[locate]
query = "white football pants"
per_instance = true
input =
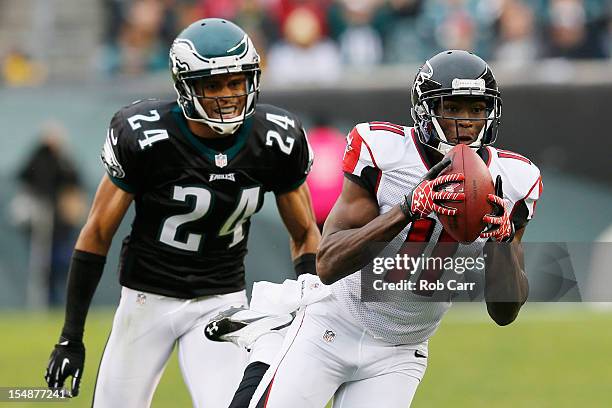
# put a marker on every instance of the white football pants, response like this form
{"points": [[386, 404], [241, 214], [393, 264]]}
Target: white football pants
{"points": [[145, 330], [327, 353]]}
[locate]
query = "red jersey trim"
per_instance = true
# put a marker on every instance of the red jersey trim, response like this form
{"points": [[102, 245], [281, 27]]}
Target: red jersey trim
{"points": [[511, 155], [538, 181], [269, 391], [393, 125], [378, 181], [352, 152], [371, 155], [490, 155], [416, 146], [388, 129]]}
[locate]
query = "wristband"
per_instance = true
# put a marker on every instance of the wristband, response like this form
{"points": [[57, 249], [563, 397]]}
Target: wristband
{"points": [[305, 263], [405, 207]]}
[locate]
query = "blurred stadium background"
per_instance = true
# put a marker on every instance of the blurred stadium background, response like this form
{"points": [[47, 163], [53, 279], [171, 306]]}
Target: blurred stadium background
{"points": [[67, 65]]}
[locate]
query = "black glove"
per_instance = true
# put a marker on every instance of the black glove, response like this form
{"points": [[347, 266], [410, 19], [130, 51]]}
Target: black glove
{"points": [[67, 359]]}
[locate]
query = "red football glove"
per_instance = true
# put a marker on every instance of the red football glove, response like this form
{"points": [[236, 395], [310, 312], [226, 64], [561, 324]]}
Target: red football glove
{"points": [[501, 228], [422, 200]]}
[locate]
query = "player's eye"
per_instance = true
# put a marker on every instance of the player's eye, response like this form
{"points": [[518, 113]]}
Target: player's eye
{"points": [[236, 84], [478, 109], [212, 86], [451, 109]]}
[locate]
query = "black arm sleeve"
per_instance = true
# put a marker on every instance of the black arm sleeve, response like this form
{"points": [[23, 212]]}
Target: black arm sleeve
{"points": [[368, 179], [520, 215], [85, 273]]}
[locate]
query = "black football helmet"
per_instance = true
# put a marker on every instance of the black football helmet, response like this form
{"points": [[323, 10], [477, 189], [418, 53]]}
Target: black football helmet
{"points": [[453, 73]]}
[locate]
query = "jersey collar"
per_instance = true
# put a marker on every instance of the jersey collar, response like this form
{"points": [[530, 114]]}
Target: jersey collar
{"points": [[209, 153]]}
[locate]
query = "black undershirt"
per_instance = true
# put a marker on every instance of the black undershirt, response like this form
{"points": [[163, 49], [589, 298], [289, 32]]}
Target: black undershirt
{"points": [[219, 144]]}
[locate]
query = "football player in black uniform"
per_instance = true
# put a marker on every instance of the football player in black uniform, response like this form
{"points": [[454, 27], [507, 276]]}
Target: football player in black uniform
{"points": [[197, 170]]}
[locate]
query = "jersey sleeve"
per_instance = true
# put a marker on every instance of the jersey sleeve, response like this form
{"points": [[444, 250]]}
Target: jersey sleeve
{"points": [[119, 156], [524, 209], [296, 165], [358, 163]]}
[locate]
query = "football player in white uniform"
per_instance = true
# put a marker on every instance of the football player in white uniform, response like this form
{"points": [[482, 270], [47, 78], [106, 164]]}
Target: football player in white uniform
{"points": [[367, 354]]}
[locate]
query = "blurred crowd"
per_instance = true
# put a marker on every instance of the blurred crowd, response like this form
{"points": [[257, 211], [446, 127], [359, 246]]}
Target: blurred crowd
{"points": [[49, 208], [305, 40], [302, 39]]}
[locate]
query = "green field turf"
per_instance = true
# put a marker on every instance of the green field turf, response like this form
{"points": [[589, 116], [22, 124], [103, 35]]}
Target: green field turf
{"points": [[553, 356]]}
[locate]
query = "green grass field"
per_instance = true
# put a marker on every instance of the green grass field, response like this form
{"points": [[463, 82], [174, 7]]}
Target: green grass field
{"points": [[553, 356]]}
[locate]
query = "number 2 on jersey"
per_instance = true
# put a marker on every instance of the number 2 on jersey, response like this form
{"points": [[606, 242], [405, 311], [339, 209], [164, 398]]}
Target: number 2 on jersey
{"points": [[150, 136], [283, 121], [247, 205]]}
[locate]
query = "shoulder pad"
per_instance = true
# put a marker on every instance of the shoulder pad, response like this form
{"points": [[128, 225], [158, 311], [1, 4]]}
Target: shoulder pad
{"points": [[378, 144], [521, 178], [274, 117], [143, 123]]}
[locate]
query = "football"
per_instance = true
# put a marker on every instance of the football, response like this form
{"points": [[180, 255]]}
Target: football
{"points": [[467, 224]]}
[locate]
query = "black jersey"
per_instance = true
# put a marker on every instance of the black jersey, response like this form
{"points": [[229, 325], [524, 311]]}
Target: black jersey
{"points": [[193, 204]]}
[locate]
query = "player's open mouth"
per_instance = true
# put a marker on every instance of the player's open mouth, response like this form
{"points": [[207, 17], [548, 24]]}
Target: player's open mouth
{"points": [[227, 112]]}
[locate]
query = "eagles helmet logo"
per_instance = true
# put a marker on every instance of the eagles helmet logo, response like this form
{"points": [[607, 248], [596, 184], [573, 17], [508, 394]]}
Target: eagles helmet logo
{"points": [[177, 64]]}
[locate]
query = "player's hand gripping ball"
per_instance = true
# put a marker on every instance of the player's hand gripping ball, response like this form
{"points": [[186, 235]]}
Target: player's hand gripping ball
{"points": [[426, 197], [468, 220], [500, 226]]}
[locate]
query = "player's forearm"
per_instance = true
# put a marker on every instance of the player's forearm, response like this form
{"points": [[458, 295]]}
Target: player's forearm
{"points": [[303, 250], [506, 285], [346, 251], [305, 243], [95, 238]]}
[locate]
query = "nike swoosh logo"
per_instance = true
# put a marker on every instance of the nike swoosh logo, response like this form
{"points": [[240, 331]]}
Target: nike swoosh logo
{"points": [[64, 362], [64, 343], [418, 354]]}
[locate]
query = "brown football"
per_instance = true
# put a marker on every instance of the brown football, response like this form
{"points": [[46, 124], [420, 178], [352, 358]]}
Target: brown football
{"points": [[466, 225]]}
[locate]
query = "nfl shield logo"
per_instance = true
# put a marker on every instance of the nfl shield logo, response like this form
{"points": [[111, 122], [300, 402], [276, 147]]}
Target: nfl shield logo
{"points": [[141, 299], [329, 336], [221, 160]]}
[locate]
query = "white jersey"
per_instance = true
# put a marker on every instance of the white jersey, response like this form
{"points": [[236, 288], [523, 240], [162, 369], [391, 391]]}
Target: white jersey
{"points": [[393, 160]]}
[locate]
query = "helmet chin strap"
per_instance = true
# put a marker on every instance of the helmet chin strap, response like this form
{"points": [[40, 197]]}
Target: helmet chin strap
{"points": [[444, 147]]}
